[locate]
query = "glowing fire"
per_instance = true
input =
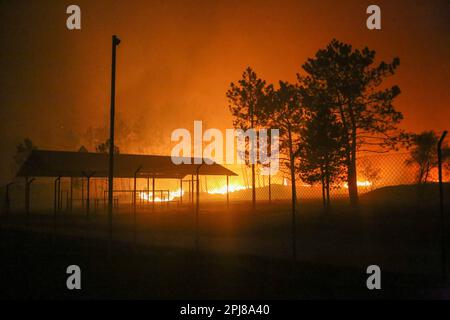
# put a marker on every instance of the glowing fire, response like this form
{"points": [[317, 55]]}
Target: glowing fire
{"points": [[360, 184], [172, 195], [176, 194], [223, 189]]}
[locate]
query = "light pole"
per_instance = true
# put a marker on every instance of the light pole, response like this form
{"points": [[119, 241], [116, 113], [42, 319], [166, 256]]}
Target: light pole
{"points": [[115, 43]]}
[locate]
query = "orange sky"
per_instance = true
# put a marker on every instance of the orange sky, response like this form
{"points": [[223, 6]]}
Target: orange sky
{"points": [[177, 58]]}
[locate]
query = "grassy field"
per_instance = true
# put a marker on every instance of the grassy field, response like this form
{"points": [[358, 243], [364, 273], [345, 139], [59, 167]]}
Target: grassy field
{"points": [[242, 254]]}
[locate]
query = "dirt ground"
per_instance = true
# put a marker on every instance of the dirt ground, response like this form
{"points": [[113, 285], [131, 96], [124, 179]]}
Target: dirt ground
{"points": [[241, 253]]}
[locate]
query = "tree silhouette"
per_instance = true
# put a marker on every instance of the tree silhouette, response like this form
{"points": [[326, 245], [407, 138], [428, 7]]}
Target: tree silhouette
{"points": [[321, 152], [126, 136], [369, 172], [283, 109], [83, 149], [351, 83], [423, 154], [23, 150], [245, 98], [104, 148]]}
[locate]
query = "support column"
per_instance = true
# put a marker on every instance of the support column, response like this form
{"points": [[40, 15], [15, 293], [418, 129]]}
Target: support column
{"points": [[55, 208], [153, 192], [27, 209], [71, 195], [82, 193], [67, 202], [59, 195], [7, 199], [88, 194], [28, 183], [134, 208], [133, 202], [55, 196], [104, 199], [197, 210], [270, 188], [148, 189], [192, 188], [88, 200], [197, 216], [228, 191], [27, 199], [181, 191]]}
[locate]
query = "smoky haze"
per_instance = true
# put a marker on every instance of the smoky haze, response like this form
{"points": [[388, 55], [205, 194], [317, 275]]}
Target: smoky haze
{"points": [[177, 59]]}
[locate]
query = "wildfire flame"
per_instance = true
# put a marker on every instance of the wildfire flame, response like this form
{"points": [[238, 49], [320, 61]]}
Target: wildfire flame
{"points": [[172, 195], [223, 189], [360, 184], [147, 196]]}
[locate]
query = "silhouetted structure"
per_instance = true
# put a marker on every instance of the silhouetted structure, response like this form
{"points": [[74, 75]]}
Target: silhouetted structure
{"points": [[64, 164]]}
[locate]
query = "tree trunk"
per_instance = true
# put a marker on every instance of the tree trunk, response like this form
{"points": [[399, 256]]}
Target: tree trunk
{"points": [[350, 150], [253, 165], [327, 181], [353, 178], [427, 172], [352, 183], [294, 196], [324, 200], [253, 187]]}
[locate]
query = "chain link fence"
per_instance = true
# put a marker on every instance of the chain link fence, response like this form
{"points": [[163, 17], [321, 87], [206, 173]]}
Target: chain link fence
{"points": [[375, 172]]}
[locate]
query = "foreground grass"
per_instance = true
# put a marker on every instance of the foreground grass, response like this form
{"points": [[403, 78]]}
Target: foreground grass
{"points": [[34, 268], [242, 255]]}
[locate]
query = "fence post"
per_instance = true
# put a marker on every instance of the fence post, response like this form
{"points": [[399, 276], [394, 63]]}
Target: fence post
{"points": [[197, 207], [28, 183], [134, 209], [8, 199], [153, 192], [71, 195], [441, 207], [57, 187], [228, 191], [181, 191]]}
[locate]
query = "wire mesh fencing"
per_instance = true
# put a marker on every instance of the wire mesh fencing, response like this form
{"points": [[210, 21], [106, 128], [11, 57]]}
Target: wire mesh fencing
{"points": [[375, 172]]}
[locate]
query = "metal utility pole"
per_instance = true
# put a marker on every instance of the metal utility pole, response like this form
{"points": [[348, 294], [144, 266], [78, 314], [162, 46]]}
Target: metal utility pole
{"points": [[115, 43], [441, 207]]}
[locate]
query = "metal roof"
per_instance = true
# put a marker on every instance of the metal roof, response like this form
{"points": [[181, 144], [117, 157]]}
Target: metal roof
{"points": [[46, 163]]}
